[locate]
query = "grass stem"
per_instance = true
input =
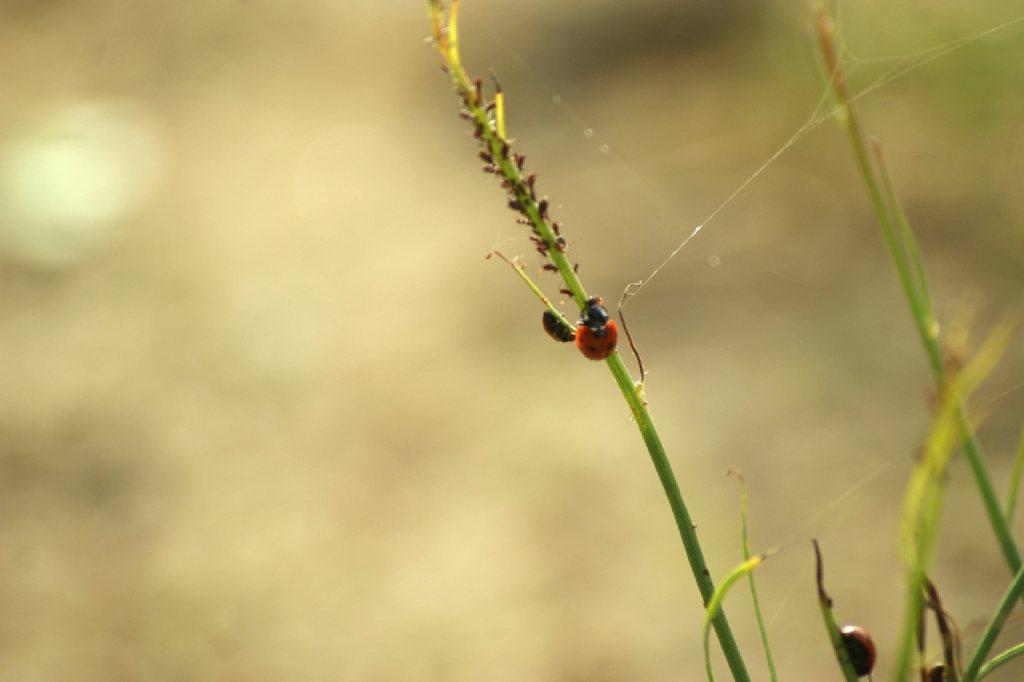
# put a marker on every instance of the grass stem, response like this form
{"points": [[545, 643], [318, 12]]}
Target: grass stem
{"points": [[905, 255], [687, 529], [522, 198], [1018, 471], [994, 627]]}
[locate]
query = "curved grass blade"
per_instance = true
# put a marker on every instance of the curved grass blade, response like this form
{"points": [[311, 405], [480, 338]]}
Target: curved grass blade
{"points": [[999, 661], [716, 603], [750, 576], [825, 604], [994, 627]]}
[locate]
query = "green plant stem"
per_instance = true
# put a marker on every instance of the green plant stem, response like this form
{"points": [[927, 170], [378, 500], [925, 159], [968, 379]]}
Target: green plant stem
{"points": [[687, 531], [972, 452], [924, 495], [522, 199], [995, 626], [1001, 659], [912, 614], [923, 316], [829, 619], [715, 605], [765, 642], [1018, 470], [520, 269]]}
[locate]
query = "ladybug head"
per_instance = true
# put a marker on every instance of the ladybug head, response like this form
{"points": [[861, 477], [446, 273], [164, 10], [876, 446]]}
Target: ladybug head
{"points": [[594, 314]]}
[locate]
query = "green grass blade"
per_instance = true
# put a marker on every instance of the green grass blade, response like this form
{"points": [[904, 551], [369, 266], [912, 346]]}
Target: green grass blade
{"points": [[904, 252], [750, 577], [994, 627], [907, 241], [1018, 471], [922, 502], [829, 618], [517, 265], [685, 525], [999, 660], [715, 604], [501, 161]]}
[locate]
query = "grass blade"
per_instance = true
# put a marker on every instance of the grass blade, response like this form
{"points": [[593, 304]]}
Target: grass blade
{"points": [[1000, 660], [829, 618], [922, 502], [522, 198], [906, 258], [715, 604], [750, 577], [994, 627], [1018, 471]]}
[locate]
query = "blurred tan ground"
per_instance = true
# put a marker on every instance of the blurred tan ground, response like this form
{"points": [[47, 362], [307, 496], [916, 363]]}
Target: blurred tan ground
{"points": [[276, 418]]}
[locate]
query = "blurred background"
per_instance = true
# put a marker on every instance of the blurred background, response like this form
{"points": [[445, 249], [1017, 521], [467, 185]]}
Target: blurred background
{"points": [[267, 413]]}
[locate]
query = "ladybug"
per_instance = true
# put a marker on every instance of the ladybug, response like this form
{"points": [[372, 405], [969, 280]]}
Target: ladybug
{"points": [[556, 328], [860, 647], [597, 332]]}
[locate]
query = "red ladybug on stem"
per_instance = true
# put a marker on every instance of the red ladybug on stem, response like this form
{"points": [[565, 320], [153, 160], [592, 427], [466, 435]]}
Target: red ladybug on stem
{"points": [[597, 333]]}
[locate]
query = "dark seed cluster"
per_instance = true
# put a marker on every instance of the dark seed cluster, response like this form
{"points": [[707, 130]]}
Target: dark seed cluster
{"points": [[499, 160]]}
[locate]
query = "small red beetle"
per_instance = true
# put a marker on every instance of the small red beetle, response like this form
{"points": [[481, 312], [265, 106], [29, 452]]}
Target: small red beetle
{"points": [[556, 328], [596, 333]]}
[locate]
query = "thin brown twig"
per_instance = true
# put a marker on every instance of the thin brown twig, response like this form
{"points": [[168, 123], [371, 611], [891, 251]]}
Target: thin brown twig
{"points": [[629, 337]]}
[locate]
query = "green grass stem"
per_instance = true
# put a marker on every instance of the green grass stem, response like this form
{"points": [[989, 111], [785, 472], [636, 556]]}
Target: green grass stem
{"points": [[907, 242], [1018, 471], [687, 530], [829, 619], [903, 249], [505, 164], [715, 604], [922, 505], [520, 268], [765, 642], [972, 672], [1000, 660]]}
